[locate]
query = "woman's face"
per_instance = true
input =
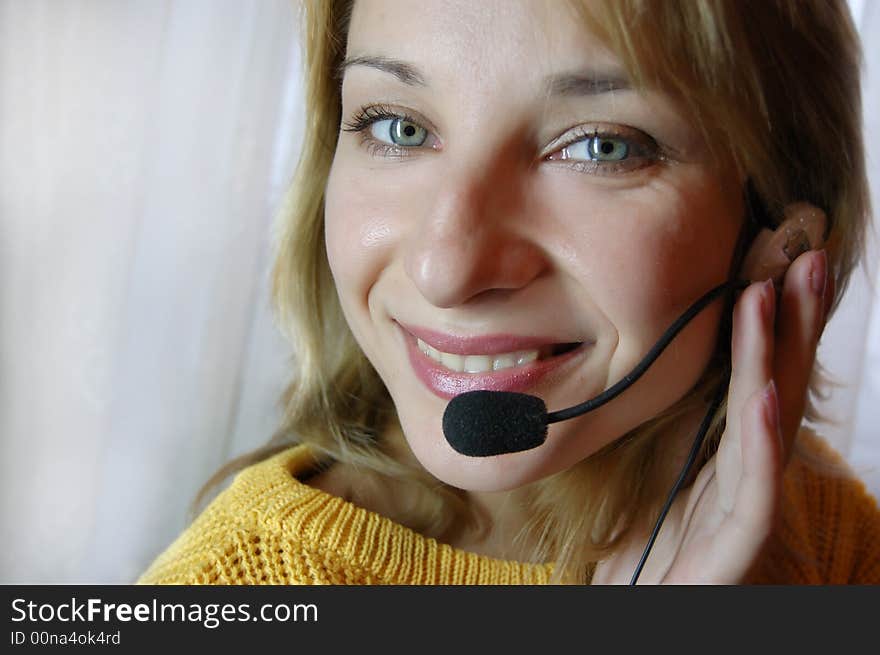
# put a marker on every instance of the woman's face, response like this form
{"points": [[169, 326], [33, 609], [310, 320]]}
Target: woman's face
{"points": [[497, 190]]}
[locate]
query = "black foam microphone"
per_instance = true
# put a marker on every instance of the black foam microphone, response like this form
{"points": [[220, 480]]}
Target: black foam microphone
{"points": [[484, 423]]}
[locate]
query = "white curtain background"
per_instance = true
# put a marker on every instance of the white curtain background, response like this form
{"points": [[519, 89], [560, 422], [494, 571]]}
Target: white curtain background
{"points": [[144, 146]]}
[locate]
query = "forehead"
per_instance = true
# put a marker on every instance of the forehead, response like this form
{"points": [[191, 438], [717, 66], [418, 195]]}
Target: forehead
{"points": [[492, 44]]}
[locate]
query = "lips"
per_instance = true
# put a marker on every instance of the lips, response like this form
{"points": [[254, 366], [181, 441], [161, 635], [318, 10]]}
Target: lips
{"points": [[492, 344], [447, 384]]}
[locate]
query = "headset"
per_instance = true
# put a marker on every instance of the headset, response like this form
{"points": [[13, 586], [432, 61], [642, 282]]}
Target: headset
{"points": [[486, 423]]}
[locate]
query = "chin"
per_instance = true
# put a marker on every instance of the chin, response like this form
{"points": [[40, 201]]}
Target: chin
{"points": [[496, 473]]}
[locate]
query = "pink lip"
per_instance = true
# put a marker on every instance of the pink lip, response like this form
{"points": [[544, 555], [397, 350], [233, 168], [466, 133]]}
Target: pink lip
{"points": [[447, 384], [489, 344]]}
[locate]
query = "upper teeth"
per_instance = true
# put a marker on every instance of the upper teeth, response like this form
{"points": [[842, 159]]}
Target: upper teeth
{"points": [[478, 363]]}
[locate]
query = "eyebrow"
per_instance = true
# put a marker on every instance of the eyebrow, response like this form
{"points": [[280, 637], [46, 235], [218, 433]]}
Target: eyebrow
{"points": [[585, 84], [406, 73], [589, 83]]}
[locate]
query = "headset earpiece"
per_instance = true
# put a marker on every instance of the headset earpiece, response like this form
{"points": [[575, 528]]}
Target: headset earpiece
{"points": [[773, 250]]}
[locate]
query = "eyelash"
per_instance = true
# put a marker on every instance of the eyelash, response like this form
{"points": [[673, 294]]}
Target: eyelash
{"points": [[367, 115]]}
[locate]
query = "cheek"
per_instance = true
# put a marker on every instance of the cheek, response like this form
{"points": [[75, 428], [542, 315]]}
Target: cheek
{"points": [[358, 235], [673, 244]]}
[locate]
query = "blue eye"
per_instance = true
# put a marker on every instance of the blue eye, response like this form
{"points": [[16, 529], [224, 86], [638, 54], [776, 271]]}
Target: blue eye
{"points": [[609, 149], [605, 149], [599, 148], [402, 132], [390, 134]]}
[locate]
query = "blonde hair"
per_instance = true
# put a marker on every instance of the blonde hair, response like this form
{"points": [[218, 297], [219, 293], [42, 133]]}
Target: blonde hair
{"points": [[774, 86]]}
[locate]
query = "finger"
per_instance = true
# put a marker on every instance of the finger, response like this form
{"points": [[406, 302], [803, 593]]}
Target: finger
{"points": [[746, 529], [752, 367], [830, 292], [803, 306]]}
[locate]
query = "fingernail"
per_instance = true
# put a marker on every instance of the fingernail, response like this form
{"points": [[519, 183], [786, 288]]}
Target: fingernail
{"points": [[828, 297], [771, 406], [819, 273], [768, 300]]}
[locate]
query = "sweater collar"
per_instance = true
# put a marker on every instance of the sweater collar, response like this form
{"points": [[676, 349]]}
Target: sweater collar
{"points": [[389, 552]]}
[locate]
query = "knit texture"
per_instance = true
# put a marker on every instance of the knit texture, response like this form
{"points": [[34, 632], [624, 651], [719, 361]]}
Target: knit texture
{"points": [[269, 528]]}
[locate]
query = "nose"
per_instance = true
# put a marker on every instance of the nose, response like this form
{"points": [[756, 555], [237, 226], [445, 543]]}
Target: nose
{"points": [[475, 237]]}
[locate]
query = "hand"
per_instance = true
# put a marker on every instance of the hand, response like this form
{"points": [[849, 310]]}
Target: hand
{"points": [[716, 528]]}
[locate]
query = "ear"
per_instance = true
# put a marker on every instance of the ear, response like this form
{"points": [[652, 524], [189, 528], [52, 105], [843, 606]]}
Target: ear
{"points": [[772, 251]]}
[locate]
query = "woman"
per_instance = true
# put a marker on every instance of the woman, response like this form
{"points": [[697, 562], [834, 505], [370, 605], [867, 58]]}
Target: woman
{"points": [[523, 196]]}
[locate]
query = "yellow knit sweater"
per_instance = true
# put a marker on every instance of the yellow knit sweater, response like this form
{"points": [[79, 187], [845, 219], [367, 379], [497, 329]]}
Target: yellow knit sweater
{"points": [[269, 528]]}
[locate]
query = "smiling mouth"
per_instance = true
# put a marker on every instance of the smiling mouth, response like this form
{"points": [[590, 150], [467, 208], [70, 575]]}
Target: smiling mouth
{"points": [[495, 362]]}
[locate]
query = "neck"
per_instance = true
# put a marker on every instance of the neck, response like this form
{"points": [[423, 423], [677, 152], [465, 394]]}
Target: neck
{"points": [[495, 519], [503, 516]]}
